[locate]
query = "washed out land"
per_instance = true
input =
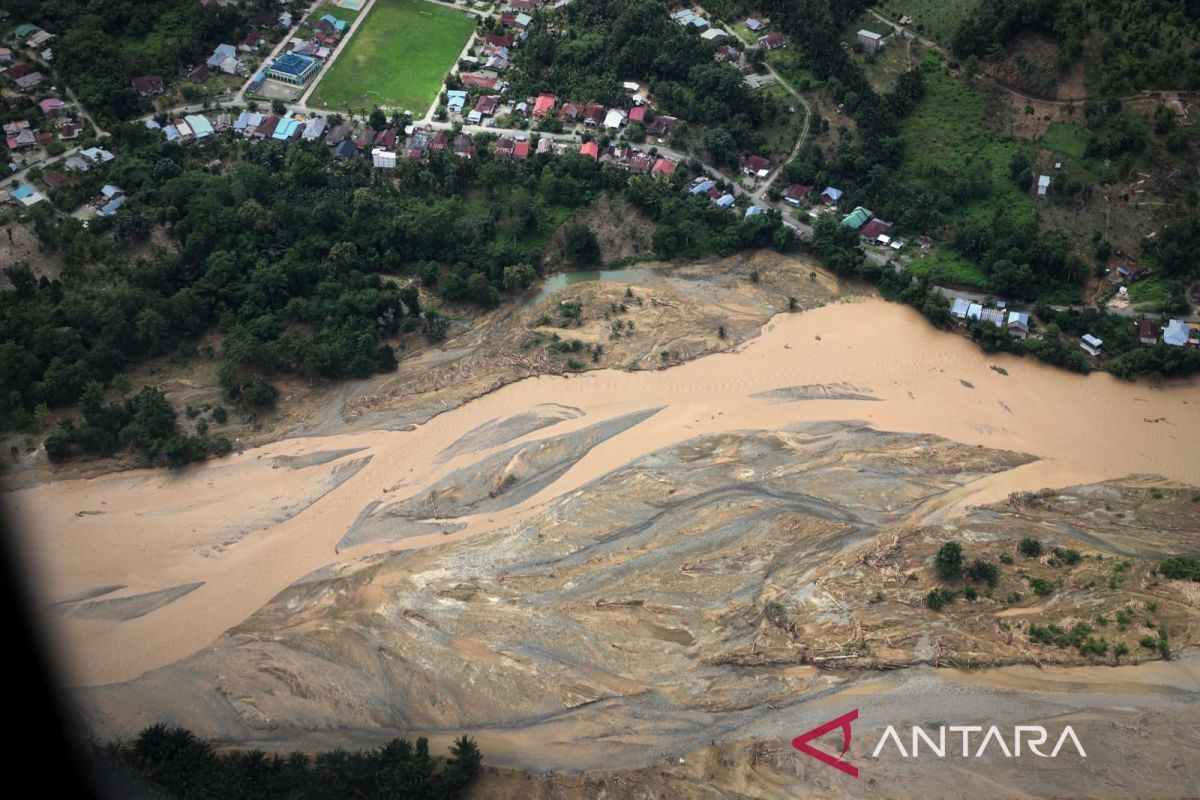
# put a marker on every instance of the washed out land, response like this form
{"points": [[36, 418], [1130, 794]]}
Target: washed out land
{"points": [[634, 426]]}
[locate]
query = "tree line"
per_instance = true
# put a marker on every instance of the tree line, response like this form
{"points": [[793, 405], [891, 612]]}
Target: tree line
{"points": [[174, 761]]}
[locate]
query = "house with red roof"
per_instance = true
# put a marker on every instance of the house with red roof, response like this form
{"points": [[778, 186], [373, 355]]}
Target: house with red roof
{"points": [[544, 105], [148, 85], [772, 41], [497, 40], [641, 162], [871, 231], [521, 151], [637, 114], [486, 104], [482, 81], [504, 147], [593, 114], [440, 143], [590, 149], [267, 129], [664, 167], [56, 180], [796, 193], [756, 166]]}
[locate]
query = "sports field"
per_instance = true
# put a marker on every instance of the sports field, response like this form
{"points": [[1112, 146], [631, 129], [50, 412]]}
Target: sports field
{"points": [[396, 59]]}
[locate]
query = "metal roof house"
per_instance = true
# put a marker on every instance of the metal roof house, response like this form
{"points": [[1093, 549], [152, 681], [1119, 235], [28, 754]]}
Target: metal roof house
{"points": [[959, 308], [1176, 333], [870, 41], [1043, 185], [201, 127], [856, 218]]}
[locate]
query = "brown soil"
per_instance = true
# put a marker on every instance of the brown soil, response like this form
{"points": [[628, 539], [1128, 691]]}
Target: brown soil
{"points": [[620, 230], [1030, 66], [18, 243]]}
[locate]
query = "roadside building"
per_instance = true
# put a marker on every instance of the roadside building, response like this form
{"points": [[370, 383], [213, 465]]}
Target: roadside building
{"points": [[1090, 344], [772, 41], [1018, 324], [544, 105], [1148, 331], [1176, 333], [856, 219], [148, 85], [870, 41], [796, 194]]}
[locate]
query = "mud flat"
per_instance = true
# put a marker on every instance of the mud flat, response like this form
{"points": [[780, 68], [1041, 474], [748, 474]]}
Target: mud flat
{"points": [[691, 583]]}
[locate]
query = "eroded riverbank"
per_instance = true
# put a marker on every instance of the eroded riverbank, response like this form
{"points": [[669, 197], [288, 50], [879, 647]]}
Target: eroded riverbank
{"points": [[587, 558]]}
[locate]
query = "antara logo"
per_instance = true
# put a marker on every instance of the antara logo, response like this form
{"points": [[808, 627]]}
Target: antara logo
{"points": [[1030, 737]]}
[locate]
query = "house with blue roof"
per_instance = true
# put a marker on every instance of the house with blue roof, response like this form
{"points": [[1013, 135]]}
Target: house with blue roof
{"points": [[201, 127], [286, 129], [725, 201], [111, 207], [339, 25], [219, 54], [831, 195], [27, 196], [702, 187], [455, 100], [753, 211]]}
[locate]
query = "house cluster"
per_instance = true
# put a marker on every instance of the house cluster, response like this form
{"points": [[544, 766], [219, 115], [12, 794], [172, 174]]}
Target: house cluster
{"points": [[1175, 333], [35, 40], [694, 23], [326, 32], [630, 158], [1015, 322], [61, 176], [703, 185], [23, 75], [871, 229], [767, 40]]}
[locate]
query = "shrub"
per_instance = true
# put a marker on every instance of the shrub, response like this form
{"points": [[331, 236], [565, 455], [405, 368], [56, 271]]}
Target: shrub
{"points": [[1182, 568], [1041, 587], [1006, 558], [981, 570], [1030, 547], [1068, 557], [948, 561]]}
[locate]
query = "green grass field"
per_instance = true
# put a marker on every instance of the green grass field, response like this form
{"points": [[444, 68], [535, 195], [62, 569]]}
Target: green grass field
{"points": [[1067, 138], [397, 58], [937, 19], [948, 267], [946, 129]]}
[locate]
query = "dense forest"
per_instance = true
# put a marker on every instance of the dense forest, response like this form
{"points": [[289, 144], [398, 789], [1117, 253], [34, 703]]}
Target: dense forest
{"points": [[1146, 44], [174, 763], [304, 266], [101, 47]]}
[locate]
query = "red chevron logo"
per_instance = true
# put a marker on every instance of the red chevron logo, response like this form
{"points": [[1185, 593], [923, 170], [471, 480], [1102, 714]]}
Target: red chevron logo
{"points": [[801, 743]]}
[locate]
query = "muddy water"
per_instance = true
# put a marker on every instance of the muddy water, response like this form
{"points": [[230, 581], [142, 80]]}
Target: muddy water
{"points": [[250, 525]]}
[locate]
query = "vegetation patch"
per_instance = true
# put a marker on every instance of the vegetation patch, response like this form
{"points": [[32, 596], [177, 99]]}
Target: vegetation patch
{"points": [[396, 59]]}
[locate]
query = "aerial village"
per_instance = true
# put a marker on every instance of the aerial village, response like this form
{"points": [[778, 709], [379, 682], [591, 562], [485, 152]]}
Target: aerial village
{"points": [[474, 110]]}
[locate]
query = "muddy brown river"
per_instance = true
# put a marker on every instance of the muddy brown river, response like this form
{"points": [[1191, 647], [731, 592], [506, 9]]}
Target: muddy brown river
{"points": [[141, 569]]}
